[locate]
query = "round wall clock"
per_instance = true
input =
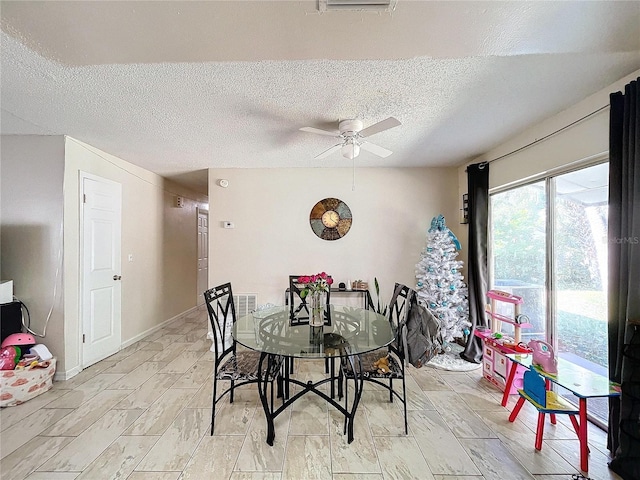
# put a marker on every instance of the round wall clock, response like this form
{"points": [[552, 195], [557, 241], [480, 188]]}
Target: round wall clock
{"points": [[330, 219]]}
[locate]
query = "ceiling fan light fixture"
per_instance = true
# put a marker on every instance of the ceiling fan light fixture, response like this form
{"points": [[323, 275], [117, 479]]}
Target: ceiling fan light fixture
{"points": [[352, 137], [350, 150]]}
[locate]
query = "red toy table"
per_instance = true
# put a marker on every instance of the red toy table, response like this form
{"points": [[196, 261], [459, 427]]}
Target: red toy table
{"points": [[581, 382]]}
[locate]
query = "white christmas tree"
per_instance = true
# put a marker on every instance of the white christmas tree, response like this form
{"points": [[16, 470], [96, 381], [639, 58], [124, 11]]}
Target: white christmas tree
{"points": [[439, 282]]}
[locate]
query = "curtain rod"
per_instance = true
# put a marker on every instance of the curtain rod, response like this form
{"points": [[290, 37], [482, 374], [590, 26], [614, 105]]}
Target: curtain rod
{"points": [[537, 140]]}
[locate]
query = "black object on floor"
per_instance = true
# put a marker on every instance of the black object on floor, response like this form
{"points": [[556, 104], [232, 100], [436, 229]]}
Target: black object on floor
{"points": [[10, 319]]}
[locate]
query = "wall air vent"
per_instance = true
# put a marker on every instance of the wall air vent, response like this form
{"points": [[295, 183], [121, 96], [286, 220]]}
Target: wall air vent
{"points": [[357, 5], [245, 304]]}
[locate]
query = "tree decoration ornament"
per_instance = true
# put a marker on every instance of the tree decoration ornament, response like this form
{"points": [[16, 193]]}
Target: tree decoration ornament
{"points": [[440, 285]]}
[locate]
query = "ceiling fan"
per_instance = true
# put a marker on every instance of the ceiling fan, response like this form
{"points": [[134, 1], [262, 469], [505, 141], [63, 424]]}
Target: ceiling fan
{"points": [[352, 137]]}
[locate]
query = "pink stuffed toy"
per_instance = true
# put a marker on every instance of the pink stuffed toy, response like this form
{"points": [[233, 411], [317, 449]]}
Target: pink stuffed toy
{"points": [[9, 356]]}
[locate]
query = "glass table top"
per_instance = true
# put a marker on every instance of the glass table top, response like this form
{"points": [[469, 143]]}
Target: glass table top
{"points": [[347, 331], [578, 380]]}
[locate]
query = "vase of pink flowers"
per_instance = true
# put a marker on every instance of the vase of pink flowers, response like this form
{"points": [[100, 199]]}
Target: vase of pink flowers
{"points": [[316, 288]]}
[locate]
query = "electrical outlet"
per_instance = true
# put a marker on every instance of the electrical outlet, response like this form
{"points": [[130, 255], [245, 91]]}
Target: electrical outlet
{"points": [[227, 224]]}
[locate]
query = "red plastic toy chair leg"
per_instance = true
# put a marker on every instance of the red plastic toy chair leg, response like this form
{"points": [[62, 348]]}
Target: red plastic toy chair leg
{"points": [[539, 431], [553, 418], [576, 427], [516, 409]]}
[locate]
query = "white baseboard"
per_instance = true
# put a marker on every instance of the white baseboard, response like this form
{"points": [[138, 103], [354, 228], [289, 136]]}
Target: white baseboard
{"points": [[152, 330], [60, 376]]}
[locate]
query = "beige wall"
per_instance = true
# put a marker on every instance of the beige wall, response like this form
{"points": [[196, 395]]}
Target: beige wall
{"points": [[392, 209], [39, 181], [160, 283], [31, 173]]}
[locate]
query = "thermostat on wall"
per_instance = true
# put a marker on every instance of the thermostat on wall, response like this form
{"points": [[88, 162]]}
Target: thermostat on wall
{"points": [[223, 183], [227, 224]]}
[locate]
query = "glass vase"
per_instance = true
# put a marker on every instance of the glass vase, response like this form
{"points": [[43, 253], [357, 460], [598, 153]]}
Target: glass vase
{"points": [[318, 304]]}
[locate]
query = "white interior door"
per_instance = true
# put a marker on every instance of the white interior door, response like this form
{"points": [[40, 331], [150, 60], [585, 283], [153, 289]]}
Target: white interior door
{"points": [[101, 202], [203, 254]]}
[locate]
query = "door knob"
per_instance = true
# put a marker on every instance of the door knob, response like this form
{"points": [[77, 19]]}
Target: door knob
{"points": [[117, 277]]}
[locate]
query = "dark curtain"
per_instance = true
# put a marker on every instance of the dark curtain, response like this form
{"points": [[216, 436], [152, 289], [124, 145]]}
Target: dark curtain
{"points": [[478, 191], [624, 280]]}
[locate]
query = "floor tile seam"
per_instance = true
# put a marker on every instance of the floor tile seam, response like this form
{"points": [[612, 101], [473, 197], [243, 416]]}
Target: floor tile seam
{"points": [[207, 432], [178, 412], [517, 449], [102, 451], [50, 427], [115, 440], [509, 447], [444, 412], [246, 436], [564, 456], [45, 459], [373, 444], [471, 457]]}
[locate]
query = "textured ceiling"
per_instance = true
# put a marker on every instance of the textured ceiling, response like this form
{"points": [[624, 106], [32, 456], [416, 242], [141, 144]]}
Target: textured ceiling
{"points": [[178, 87]]}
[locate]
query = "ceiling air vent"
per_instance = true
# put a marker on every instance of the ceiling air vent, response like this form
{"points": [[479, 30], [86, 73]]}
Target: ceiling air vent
{"points": [[358, 5]]}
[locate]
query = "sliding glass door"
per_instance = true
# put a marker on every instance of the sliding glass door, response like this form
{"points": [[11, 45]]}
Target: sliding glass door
{"points": [[580, 206], [549, 245], [518, 245]]}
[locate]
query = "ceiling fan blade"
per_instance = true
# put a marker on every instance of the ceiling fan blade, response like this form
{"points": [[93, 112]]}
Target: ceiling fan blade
{"points": [[320, 132], [375, 149], [328, 152], [379, 127]]}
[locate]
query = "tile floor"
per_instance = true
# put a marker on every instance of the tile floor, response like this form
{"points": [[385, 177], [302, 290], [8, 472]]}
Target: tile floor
{"points": [[145, 413]]}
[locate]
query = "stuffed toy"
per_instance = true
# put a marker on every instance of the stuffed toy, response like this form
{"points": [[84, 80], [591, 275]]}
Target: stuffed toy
{"points": [[382, 365]]}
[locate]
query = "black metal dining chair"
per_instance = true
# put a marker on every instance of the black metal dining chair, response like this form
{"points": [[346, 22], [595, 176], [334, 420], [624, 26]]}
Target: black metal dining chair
{"points": [[240, 367], [299, 315], [395, 351]]}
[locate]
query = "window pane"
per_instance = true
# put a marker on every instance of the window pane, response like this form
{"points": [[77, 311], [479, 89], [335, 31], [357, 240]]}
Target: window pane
{"points": [[518, 238], [580, 276]]}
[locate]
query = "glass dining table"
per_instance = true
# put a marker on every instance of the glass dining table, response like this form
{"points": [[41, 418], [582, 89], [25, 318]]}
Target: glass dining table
{"points": [[348, 333]]}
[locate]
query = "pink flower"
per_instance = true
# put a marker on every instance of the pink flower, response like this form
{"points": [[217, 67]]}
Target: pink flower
{"points": [[315, 283]]}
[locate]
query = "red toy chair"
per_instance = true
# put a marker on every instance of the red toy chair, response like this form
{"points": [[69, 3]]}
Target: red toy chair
{"points": [[545, 401]]}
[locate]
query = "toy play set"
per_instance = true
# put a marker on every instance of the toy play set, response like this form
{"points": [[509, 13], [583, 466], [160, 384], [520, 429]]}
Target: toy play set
{"points": [[496, 344]]}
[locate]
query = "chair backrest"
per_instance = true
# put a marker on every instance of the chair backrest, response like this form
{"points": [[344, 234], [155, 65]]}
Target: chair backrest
{"points": [[222, 316], [298, 306], [534, 386], [398, 311]]}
